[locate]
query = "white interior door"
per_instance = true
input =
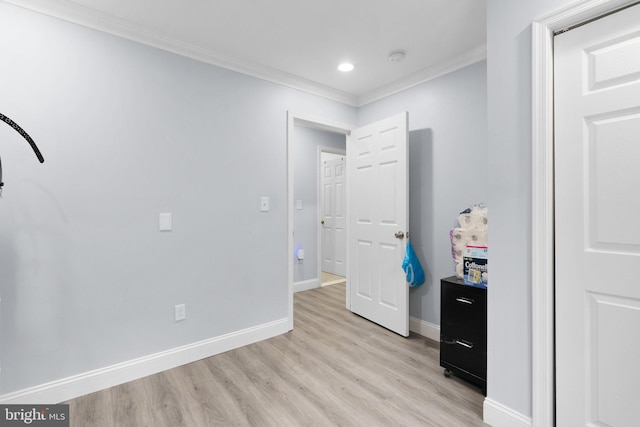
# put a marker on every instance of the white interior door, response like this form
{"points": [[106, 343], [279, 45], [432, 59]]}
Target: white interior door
{"points": [[333, 218], [378, 210], [597, 173]]}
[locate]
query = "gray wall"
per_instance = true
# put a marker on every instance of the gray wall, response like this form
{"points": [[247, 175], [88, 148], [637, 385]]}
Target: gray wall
{"points": [[305, 221], [129, 131], [509, 149], [447, 168]]}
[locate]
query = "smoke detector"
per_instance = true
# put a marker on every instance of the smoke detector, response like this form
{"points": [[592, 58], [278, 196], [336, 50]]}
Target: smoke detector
{"points": [[397, 56]]}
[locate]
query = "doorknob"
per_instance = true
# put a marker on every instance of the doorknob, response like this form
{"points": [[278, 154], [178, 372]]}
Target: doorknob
{"points": [[322, 222], [399, 235]]}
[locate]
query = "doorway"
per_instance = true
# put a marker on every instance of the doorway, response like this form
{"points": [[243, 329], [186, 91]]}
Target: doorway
{"points": [[319, 218], [377, 210], [543, 255], [309, 276]]}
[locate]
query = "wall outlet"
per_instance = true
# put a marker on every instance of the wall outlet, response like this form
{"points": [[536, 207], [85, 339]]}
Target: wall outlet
{"points": [[180, 312]]}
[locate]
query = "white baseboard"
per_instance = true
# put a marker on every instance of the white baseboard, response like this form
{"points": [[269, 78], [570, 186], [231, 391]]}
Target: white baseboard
{"points": [[497, 415], [89, 382], [426, 329], [305, 285]]}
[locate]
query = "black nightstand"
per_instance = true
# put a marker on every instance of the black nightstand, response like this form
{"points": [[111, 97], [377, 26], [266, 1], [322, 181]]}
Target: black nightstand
{"points": [[463, 331]]}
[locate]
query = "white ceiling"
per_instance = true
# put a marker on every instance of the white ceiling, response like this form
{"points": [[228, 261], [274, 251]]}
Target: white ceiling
{"points": [[300, 43]]}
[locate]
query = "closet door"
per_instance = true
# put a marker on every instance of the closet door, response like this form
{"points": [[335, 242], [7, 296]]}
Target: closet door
{"points": [[597, 143]]}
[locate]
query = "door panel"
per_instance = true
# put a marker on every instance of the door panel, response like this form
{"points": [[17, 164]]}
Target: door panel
{"points": [[378, 180], [597, 147], [364, 267]]}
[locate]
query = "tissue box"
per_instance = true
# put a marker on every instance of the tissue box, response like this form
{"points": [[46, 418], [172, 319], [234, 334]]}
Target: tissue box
{"points": [[475, 266]]}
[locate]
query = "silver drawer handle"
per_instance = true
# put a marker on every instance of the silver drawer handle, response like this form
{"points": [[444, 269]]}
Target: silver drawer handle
{"points": [[465, 300], [464, 344]]}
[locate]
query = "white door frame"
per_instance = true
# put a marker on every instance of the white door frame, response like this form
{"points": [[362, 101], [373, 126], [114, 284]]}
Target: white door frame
{"points": [[542, 237], [332, 150], [316, 123]]}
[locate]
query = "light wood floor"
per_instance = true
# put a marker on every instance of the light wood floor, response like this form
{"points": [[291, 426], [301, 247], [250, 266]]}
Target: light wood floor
{"points": [[331, 279], [333, 369]]}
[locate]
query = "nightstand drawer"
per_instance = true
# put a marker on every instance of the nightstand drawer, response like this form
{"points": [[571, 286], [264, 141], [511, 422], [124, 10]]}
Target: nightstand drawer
{"points": [[467, 356], [464, 304], [458, 330]]}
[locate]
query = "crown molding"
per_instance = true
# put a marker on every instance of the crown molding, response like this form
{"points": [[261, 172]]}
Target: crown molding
{"points": [[470, 57], [86, 17], [92, 19]]}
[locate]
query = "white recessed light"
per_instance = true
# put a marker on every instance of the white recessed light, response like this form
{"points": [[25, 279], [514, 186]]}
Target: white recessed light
{"points": [[345, 67]]}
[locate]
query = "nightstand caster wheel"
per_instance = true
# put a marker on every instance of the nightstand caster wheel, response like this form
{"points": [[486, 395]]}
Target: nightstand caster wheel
{"points": [[447, 373]]}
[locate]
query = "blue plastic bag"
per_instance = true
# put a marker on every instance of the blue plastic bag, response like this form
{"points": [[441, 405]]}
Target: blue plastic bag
{"points": [[412, 268]]}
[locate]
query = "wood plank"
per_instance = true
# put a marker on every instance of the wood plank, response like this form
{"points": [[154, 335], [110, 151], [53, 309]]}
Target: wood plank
{"points": [[93, 409], [130, 405], [209, 401]]}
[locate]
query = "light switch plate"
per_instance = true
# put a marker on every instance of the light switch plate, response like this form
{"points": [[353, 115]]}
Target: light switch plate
{"points": [[264, 204], [299, 204], [165, 222]]}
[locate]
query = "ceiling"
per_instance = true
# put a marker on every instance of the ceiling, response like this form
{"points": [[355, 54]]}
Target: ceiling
{"points": [[300, 43]]}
